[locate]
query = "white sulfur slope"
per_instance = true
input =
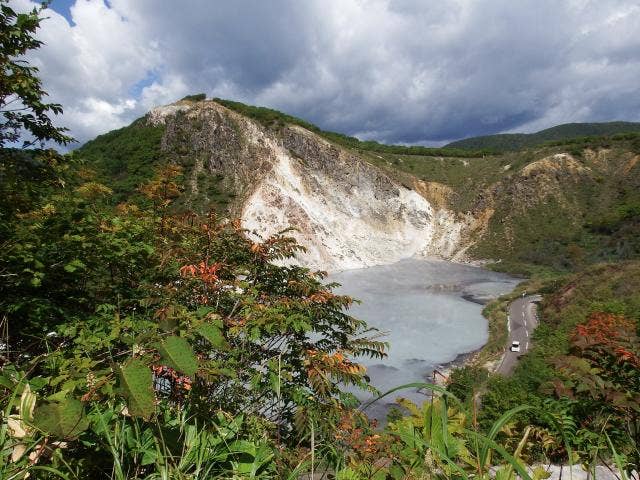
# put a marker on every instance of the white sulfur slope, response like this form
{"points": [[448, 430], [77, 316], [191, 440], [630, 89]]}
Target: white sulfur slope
{"points": [[346, 229], [347, 213]]}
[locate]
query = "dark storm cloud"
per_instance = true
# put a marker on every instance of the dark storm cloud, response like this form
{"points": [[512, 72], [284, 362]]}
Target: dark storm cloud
{"points": [[249, 43], [399, 71]]}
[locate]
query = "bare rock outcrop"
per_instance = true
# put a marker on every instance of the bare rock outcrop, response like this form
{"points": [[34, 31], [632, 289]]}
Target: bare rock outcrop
{"points": [[346, 212]]}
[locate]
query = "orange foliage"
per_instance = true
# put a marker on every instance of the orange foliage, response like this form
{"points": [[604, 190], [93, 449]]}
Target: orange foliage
{"points": [[237, 225], [355, 432], [320, 362], [612, 332], [162, 189], [180, 384], [321, 297], [203, 271], [604, 327]]}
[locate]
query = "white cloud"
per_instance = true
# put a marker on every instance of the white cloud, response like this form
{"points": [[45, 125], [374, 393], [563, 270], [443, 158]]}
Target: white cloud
{"points": [[91, 67], [97, 115], [397, 70]]}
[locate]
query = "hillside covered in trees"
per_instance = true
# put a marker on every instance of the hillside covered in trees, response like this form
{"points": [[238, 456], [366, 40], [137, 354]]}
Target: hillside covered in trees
{"points": [[505, 142]]}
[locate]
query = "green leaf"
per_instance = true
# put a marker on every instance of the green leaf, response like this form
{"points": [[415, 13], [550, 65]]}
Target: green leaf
{"points": [[214, 335], [249, 457], [496, 428], [65, 419], [136, 384], [178, 354], [37, 383], [59, 396], [73, 265], [204, 311], [539, 473]]}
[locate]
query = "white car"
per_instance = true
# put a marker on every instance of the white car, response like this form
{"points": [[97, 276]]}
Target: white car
{"points": [[515, 346]]}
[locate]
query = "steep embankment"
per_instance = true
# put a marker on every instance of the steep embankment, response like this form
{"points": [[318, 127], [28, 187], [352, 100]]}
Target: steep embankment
{"points": [[346, 212], [562, 206]]}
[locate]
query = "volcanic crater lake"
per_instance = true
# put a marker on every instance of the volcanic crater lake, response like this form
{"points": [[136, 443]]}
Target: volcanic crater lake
{"points": [[430, 310]]}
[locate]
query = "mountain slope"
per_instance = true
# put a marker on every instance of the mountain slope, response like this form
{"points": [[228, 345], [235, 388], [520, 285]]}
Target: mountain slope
{"points": [[346, 212], [515, 141], [126, 157], [558, 206]]}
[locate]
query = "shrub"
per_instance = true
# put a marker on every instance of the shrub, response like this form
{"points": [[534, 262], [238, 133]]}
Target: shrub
{"points": [[156, 317], [465, 380], [198, 97]]}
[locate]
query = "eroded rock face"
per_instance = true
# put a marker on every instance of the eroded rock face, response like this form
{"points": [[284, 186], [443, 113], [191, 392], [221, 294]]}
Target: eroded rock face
{"points": [[345, 212]]}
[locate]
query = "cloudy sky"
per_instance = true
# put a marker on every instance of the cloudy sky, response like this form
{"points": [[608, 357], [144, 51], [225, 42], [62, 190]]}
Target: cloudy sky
{"points": [[402, 71]]}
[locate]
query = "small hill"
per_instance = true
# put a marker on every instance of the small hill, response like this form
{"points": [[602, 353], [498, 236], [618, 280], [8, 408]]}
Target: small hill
{"points": [[504, 142]]}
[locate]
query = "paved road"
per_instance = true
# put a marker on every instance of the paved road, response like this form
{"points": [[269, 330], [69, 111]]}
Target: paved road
{"points": [[522, 322]]}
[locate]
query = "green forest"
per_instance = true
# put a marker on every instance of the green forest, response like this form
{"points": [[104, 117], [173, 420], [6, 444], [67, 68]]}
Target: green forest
{"points": [[505, 142], [144, 340]]}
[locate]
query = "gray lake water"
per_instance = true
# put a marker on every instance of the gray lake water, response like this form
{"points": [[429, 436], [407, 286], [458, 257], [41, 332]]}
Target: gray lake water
{"points": [[430, 310]]}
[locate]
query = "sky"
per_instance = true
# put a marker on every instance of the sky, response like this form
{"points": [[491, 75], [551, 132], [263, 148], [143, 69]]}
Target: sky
{"points": [[397, 71]]}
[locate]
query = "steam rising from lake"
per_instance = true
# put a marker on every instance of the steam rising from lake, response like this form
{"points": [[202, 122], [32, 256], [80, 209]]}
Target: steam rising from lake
{"points": [[431, 310]]}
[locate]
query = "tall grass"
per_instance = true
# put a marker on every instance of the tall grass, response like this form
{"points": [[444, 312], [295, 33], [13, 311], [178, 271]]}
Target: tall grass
{"points": [[437, 440], [442, 440]]}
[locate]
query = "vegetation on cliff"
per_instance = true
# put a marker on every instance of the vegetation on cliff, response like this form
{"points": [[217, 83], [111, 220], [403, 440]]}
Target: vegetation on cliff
{"points": [[558, 208], [275, 119], [125, 158]]}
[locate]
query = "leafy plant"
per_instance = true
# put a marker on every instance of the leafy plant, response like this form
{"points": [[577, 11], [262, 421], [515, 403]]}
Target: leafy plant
{"points": [[206, 321], [601, 374]]}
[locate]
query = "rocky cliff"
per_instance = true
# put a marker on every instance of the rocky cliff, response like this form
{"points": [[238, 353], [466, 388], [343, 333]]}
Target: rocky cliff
{"points": [[346, 212]]}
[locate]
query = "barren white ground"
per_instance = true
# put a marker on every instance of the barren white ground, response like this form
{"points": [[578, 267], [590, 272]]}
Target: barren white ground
{"points": [[346, 230]]}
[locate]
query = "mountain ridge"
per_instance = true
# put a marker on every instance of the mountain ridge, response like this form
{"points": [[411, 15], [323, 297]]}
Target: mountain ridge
{"points": [[345, 211], [503, 142], [555, 206]]}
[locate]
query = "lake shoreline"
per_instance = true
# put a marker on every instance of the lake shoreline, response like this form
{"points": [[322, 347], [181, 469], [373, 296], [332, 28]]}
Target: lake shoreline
{"points": [[432, 313]]}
